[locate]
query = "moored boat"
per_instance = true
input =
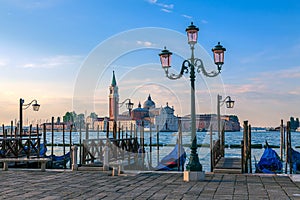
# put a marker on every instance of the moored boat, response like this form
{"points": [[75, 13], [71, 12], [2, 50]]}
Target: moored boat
{"points": [[295, 161], [173, 160], [58, 162], [269, 162]]}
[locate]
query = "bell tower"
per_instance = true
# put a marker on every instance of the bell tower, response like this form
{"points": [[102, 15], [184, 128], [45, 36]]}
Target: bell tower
{"points": [[113, 99]]}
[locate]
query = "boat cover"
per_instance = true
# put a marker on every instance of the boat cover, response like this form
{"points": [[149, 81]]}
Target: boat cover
{"points": [[269, 163]]}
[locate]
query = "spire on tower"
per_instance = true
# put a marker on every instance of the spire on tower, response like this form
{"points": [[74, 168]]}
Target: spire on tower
{"points": [[113, 82]]}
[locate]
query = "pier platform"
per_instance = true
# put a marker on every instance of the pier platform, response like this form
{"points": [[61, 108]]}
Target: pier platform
{"points": [[228, 166], [59, 184]]}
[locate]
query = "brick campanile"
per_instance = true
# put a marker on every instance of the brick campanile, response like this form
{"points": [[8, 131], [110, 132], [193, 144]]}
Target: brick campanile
{"points": [[113, 99]]}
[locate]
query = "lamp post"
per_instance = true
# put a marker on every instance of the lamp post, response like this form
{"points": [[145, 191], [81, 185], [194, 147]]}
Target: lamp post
{"points": [[23, 106], [190, 65], [229, 104]]}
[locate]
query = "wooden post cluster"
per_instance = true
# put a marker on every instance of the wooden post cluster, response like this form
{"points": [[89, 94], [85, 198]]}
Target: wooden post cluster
{"points": [[246, 149]]}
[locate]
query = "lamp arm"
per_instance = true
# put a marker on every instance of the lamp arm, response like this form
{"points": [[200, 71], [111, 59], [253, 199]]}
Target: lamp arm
{"points": [[27, 105], [200, 68], [184, 69], [122, 103], [223, 101]]}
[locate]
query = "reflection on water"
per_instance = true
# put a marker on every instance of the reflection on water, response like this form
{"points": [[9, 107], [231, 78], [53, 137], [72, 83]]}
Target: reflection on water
{"points": [[169, 138]]}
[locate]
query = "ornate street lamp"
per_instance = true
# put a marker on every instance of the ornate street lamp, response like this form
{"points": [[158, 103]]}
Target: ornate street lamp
{"points": [[229, 104], [129, 105], [189, 65], [23, 106]]}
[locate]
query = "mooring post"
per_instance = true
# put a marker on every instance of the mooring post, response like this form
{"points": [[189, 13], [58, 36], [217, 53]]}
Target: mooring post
{"points": [[281, 139], [286, 146], [131, 131], [179, 145], [74, 158], [242, 154], [107, 129], [211, 150], [44, 138], [142, 144], [119, 130], [52, 140], [64, 145], [245, 138], [80, 145], [71, 129], [115, 130], [150, 143], [249, 149], [29, 141], [11, 128], [87, 131], [38, 141], [157, 143]]}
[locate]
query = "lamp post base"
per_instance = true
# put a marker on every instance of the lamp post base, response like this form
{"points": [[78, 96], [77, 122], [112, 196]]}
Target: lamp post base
{"points": [[193, 176], [194, 163]]}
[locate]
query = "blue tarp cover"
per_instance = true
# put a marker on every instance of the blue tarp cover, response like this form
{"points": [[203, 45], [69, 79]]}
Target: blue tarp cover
{"points": [[269, 162]]}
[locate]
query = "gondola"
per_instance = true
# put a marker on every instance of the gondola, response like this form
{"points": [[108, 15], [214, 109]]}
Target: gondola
{"points": [[295, 161], [171, 162], [58, 162], [269, 162]]}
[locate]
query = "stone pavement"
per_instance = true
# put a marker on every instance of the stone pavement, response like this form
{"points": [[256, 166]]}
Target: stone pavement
{"points": [[27, 184]]}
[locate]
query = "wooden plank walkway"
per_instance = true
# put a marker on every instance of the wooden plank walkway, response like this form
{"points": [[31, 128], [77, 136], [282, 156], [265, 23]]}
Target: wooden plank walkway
{"points": [[228, 166]]}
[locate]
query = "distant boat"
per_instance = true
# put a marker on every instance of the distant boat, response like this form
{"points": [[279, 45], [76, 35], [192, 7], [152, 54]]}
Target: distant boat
{"points": [[170, 162], [269, 162]]}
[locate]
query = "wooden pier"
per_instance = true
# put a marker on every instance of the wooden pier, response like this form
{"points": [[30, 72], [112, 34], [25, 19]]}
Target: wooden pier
{"points": [[228, 166], [232, 165]]}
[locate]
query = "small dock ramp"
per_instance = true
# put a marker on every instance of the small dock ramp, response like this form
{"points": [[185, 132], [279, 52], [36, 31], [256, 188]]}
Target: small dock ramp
{"points": [[228, 166]]}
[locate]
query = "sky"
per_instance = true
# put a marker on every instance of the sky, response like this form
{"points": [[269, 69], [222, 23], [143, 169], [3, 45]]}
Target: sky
{"points": [[62, 53]]}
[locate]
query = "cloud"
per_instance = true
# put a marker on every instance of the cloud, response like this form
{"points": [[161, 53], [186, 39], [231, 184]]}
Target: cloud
{"points": [[54, 62], [33, 4], [187, 16], [152, 1], [203, 21], [289, 73], [269, 83], [145, 43], [165, 7], [165, 10]]}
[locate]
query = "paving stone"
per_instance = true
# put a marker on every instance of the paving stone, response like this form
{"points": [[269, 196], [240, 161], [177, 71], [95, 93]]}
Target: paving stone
{"points": [[98, 185]]}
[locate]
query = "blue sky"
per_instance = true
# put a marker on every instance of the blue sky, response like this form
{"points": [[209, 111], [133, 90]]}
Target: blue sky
{"points": [[44, 46]]}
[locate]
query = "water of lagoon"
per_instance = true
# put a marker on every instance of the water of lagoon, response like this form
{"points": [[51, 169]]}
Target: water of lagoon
{"points": [[168, 139]]}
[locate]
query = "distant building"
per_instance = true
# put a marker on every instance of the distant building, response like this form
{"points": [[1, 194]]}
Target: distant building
{"points": [[166, 120], [294, 124], [205, 121], [162, 117]]}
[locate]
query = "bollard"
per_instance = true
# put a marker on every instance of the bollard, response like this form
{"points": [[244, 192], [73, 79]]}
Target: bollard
{"points": [[105, 159], [120, 168], [74, 158], [114, 171]]}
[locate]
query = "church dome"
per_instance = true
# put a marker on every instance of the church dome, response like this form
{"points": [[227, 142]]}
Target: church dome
{"points": [[148, 104]]}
